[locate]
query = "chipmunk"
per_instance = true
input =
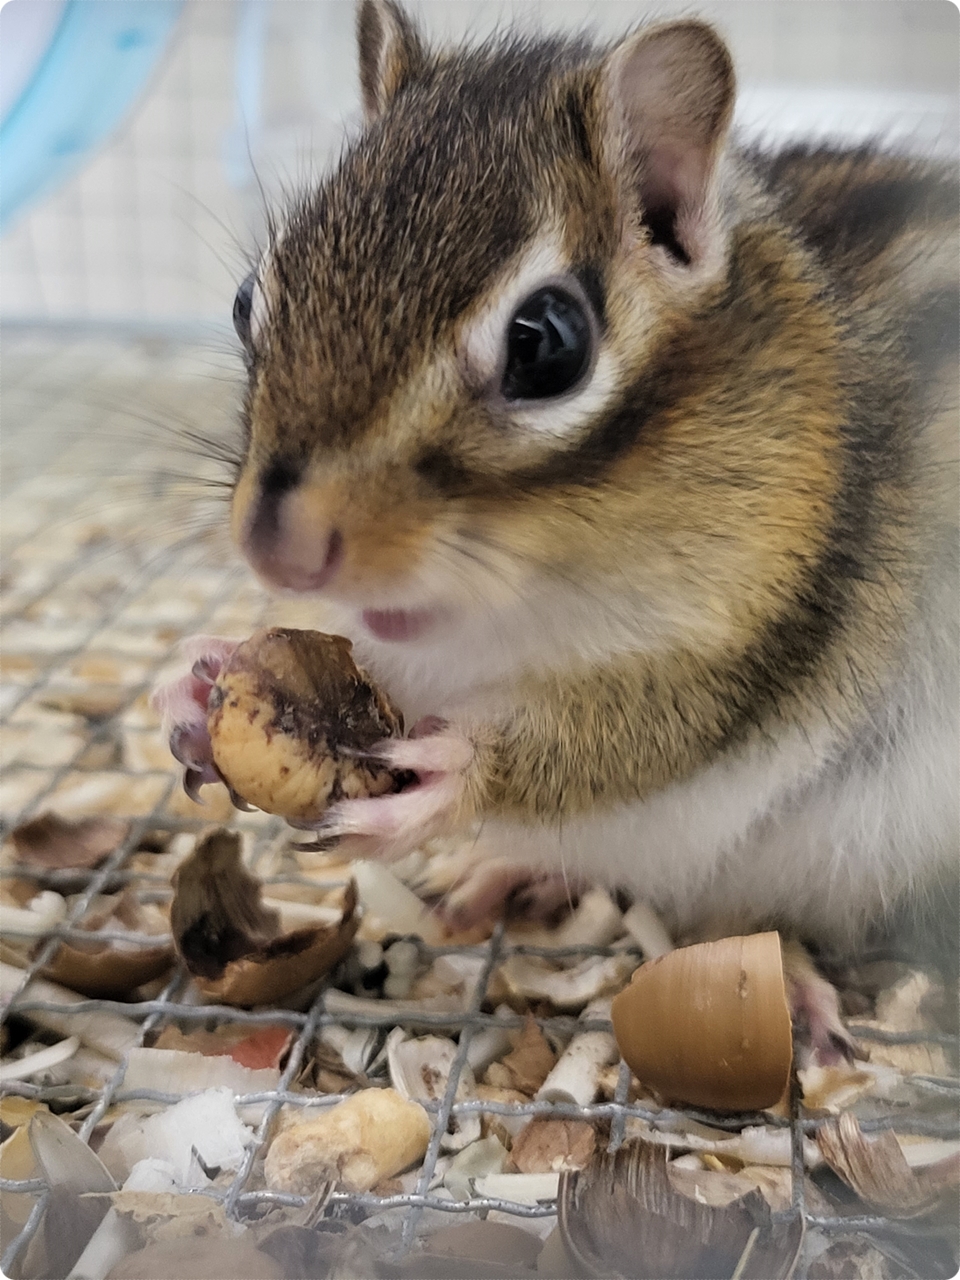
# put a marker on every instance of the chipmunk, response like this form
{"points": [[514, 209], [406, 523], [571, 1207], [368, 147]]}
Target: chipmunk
{"points": [[628, 458]]}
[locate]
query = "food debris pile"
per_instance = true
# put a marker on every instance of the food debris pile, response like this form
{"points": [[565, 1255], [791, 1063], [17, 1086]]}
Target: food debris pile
{"points": [[343, 1087]]}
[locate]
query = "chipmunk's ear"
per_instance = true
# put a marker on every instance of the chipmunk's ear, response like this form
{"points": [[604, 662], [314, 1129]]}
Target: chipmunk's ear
{"points": [[391, 53], [668, 97]]}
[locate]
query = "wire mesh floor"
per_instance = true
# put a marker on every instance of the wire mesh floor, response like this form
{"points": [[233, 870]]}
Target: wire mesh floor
{"points": [[113, 550]]}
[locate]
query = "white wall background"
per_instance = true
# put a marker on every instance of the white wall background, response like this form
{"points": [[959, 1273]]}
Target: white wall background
{"points": [[155, 228]]}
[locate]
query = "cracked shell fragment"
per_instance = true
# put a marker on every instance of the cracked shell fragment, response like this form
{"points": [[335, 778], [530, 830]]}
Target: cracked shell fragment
{"points": [[877, 1170], [420, 1070], [290, 715], [235, 946], [53, 841], [621, 1216], [112, 969], [709, 1025], [370, 1136]]}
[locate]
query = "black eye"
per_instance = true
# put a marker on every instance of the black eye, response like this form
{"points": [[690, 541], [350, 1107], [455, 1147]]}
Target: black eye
{"points": [[548, 346], [242, 305]]}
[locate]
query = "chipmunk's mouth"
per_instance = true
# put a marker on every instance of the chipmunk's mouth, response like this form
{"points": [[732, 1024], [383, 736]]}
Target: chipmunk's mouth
{"points": [[400, 624]]}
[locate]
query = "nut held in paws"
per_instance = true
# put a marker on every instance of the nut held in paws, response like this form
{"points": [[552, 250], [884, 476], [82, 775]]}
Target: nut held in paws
{"points": [[288, 715]]}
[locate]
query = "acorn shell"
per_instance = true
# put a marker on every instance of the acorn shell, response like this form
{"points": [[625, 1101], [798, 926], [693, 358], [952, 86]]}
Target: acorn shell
{"points": [[709, 1025]]}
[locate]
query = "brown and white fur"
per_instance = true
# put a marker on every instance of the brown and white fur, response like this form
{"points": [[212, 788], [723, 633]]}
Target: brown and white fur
{"points": [[691, 628]]}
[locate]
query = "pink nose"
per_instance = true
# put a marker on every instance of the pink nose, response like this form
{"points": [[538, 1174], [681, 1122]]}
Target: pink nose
{"points": [[289, 546], [300, 568]]}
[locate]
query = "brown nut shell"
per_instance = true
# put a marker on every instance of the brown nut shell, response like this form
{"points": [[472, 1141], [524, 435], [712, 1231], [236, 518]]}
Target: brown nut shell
{"points": [[232, 944], [288, 714], [709, 1025], [108, 973]]}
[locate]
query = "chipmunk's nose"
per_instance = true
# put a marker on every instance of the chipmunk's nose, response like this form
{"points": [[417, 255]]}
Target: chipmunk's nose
{"points": [[286, 536]]}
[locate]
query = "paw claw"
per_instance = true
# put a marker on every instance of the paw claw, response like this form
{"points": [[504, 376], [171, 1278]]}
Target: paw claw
{"points": [[238, 802], [839, 1045], [819, 1033], [206, 669], [315, 846], [335, 823], [183, 705], [190, 747], [194, 779], [322, 829]]}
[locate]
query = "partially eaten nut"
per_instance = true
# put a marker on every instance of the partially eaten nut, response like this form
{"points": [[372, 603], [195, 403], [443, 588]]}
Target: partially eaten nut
{"points": [[372, 1135], [289, 718]]}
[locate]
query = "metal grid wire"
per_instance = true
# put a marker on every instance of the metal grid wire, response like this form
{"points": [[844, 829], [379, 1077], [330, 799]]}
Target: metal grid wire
{"points": [[46, 394]]}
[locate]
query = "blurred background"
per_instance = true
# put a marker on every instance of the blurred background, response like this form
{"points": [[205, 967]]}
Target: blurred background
{"points": [[145, 219]]}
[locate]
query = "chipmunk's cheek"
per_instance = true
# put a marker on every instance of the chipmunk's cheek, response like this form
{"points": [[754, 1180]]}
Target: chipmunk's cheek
{"points": [[241, 505]]}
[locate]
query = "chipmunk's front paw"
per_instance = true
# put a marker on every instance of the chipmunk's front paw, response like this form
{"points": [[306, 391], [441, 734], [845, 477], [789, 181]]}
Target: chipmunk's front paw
{"points": [[434, 803], [183, 705]]}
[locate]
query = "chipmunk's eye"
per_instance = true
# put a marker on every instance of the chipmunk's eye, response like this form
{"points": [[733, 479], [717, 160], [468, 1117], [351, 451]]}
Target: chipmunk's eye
{"points": [[242, 310], [548, 346]]}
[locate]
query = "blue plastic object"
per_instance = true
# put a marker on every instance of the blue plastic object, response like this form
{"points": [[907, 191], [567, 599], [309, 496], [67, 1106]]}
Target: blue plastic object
{"points": [[99, 59]]}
